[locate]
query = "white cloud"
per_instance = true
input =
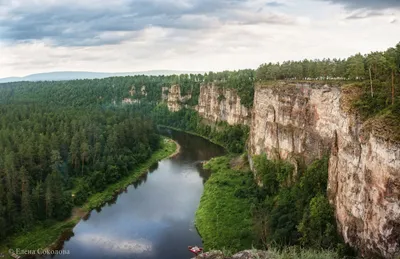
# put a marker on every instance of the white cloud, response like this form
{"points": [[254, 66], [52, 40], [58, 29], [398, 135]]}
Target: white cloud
{"points": [[195, 40]]}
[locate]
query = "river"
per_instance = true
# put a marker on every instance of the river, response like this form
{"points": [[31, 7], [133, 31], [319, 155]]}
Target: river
{"points": [[153, 218]]}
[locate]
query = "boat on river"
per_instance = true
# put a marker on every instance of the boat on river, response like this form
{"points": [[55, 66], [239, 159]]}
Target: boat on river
{"points": [[195, 249]]}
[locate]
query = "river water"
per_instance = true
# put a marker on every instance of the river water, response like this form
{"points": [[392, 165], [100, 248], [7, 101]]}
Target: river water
{"points": [[153, 218]]}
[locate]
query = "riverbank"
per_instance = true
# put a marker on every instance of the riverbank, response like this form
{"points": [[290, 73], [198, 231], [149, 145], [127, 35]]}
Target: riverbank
{"points": [[223, 218], [51, 234], [177, 150]]}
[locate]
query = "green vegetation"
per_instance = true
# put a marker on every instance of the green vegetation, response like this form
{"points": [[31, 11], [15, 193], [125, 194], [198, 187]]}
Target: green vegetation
{"points": [[233, 138], [53, 158], [224, 217], [242, 81], [286, 210], [294, 209], [41, 236], [300, 253], [45, 233], [168, 147]]}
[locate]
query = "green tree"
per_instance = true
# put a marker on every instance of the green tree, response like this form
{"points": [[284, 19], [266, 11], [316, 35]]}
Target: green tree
{"points": [[355, 67], [317, 226], [26, 209], [391, 58]]}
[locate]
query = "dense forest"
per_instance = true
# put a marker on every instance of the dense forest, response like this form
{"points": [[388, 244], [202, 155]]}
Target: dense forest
{"points": [[53, 158]]}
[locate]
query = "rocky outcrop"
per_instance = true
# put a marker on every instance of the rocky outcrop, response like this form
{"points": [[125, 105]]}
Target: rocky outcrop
{"points": [[304, 122], [130, 101], [222, 104], [132, 91], [143, 90], [175, 100], [214, 104]]}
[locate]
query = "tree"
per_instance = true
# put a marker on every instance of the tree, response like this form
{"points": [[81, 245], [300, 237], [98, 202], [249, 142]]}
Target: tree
{"points": [[3, 216], [49, 199], [26, 209], [317, 227], [56, 161], [38, 201], [391, 58], [355, 67], [75, 150], [376, 62], [84, 154]]}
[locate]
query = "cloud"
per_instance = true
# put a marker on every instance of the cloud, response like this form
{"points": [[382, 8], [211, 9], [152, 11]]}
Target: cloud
{"points": [[198, 35], [367, 4], [275, 4], [363, 15], [95, 23]]}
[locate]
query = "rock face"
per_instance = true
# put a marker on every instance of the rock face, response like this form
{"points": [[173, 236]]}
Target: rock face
{"points": [[220, 104], [143, 90], [132, 91], [174, 99], [303, 121]]}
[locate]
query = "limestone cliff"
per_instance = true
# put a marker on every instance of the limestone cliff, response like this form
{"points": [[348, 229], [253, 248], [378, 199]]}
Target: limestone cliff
{"points": [[174, 98], [222, 104], [303, 121], [214, 104]]}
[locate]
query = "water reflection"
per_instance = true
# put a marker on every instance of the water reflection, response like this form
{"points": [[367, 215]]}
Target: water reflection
{"points": [[154, 217]]}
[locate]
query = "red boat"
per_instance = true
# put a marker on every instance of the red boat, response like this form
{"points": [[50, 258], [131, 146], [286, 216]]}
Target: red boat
{"points": [[195, 249]]}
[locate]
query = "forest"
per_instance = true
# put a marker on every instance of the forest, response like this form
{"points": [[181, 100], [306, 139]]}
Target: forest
{"points": [[53, 158]]}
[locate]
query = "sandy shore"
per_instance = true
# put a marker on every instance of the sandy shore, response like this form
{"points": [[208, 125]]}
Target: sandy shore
{"points": [[177, 151]]}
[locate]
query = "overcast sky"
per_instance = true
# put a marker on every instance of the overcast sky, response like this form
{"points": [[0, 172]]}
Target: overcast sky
{"points": [[136, 35]]}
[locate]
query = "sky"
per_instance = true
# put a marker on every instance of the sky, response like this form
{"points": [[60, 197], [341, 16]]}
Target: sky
{"points": [[198, 35]]}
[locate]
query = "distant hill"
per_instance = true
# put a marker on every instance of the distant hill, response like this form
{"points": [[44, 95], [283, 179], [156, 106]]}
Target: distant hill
{"points": [[71, 75]]}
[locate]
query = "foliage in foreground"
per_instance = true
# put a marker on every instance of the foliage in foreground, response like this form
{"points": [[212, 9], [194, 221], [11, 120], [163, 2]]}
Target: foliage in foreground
{"points": [[223, 218], [235, 213], [294, 210]]}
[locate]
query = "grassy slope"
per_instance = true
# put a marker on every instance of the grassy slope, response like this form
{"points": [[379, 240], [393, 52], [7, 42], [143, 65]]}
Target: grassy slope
{"points": [[223, 220], [44, 235]]}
